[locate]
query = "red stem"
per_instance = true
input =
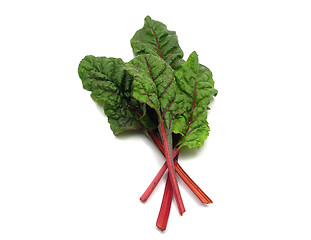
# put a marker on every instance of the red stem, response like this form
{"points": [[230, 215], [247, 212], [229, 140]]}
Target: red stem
{"points": [[154, 183], [171, 171], [165, 206], [184, 176], [168, 193], [191, 184]]}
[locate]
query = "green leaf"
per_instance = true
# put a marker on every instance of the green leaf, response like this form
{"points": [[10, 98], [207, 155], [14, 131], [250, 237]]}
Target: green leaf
{"points": [[196, 84], [154, 84], [154, 38], [111, 86]]}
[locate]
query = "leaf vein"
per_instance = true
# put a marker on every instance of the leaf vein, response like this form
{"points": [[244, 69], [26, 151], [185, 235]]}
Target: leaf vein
{"points": [[164, 91]]}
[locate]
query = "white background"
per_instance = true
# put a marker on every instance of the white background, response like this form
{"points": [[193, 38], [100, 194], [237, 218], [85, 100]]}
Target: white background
{"points": [[63, 175]]}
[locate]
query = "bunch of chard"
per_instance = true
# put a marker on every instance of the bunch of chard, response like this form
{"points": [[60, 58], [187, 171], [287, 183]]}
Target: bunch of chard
{"points": [[159, 94]]}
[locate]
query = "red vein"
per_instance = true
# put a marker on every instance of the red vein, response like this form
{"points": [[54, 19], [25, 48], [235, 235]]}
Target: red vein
{"points": [[193, 130], [146, 92], [193, 105], [164, 44], [166, 88], [199, 115], [169, 105], [149, 69], [186, 93], [202, 99], [172, 64], [157, 42], [172, 50], [161, 73], [135, 109]]}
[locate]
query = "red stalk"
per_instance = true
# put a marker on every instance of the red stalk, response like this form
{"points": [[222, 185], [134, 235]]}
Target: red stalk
{"points": [[171, 171], [158, 142], [184, 176], [165, 206], [168, 194], [154, 183], [191, 184]]}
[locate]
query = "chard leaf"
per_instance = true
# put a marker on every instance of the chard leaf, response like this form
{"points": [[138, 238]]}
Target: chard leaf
{"points": [[154, 38], [154, 84], [196, 84], [111, 86]]}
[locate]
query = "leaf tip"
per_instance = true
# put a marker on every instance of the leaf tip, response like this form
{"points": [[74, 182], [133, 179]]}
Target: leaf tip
{"points": [[148, 19], [193, 60]]}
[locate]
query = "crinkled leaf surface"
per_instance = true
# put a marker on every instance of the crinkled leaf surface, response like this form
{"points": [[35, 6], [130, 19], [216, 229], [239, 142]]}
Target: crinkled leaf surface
{"points": [[196, 84], [154, 38], [111, 85], [154, 84]]}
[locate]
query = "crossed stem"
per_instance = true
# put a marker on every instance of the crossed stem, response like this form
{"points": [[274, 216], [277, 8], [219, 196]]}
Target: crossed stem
{"points": [[168, 192]]}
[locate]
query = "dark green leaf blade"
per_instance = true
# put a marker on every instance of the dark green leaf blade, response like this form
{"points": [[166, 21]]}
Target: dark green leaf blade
{"points": [[111, 86], [154, 84], [196, 83], [154, 38]]}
